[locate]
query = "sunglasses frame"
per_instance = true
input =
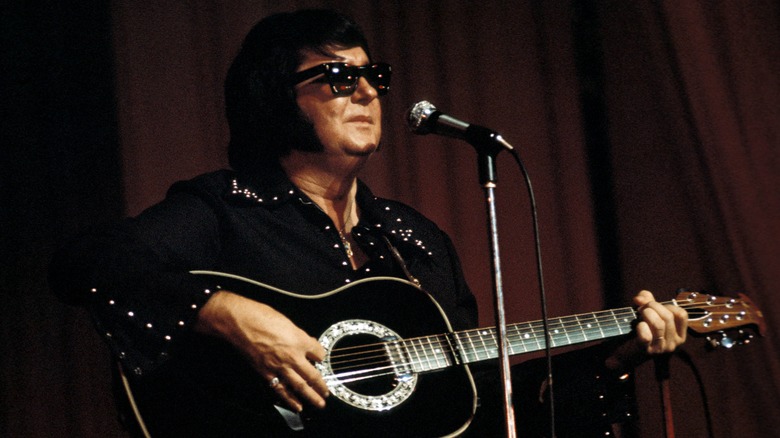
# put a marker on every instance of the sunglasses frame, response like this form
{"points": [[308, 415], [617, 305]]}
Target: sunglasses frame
{"points": [[377, 74]]}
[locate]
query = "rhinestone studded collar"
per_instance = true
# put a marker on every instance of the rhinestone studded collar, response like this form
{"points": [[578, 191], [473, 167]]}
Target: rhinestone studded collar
{"points": [[273, 190], [380, 216]]}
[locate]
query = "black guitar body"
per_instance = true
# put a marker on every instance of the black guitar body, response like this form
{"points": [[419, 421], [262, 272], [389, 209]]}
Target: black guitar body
{"points": [[389, 375], [208, 389]]}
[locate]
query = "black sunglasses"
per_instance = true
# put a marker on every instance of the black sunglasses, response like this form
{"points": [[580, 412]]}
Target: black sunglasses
{"points": [[343, 78]]}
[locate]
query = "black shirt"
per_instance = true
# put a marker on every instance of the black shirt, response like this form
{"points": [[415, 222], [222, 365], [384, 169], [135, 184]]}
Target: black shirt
{"points": [[136, 280], [135, 277]]}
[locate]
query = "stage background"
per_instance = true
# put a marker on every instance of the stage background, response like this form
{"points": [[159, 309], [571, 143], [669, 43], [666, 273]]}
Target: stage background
{"points": [[651, 130]]}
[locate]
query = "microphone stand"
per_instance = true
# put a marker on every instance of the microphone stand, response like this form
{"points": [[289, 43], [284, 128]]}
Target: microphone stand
{"points": [[488, 144]]}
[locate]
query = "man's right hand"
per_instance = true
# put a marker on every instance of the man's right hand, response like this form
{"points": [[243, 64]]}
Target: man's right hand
{"points": [[277, 348]]}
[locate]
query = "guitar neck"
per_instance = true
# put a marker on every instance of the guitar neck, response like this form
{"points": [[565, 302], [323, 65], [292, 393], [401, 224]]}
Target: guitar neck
{"points": [[468, 346]]}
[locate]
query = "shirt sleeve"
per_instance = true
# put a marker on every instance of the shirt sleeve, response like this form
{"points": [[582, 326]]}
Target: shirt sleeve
{"points": [[134, 278]]}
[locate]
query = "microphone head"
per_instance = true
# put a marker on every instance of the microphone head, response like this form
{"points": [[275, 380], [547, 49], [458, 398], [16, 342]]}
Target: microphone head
{"points": [[419, 117]]}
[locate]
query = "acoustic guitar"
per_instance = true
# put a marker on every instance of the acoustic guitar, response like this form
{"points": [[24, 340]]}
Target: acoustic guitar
{"points": [[393, 364]]}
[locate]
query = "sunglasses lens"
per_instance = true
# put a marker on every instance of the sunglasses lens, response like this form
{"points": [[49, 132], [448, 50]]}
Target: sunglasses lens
{"points": [[378, 75], [343, 78]]}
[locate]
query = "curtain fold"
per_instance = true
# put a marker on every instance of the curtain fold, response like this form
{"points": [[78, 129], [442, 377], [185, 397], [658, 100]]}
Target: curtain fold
{"points": [[692, 92]]}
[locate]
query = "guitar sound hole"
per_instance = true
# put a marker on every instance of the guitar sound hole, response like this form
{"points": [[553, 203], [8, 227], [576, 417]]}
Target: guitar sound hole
{"points": [[364, 365]]}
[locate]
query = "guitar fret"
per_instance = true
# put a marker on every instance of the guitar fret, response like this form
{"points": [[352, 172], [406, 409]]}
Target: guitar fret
{"points": [[462, 352], [624, 324], [432, 352], [566, 330], [407, 355], [417, 363], [442, 360], [425, 352], [435, 357], [468, 352], [577, 331], [513, 333], [555, 334], [581, 329], [539, 337], [476, 348], [573, 330], [484, 348], [617, 323], [604, 321], [480, 346], [493, 351], [592, 326], [530, 336]]}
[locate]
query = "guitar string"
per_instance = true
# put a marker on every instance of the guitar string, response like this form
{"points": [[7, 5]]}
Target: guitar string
{"points": [[563, 323], [440, 350], [568, 322], [519, 333], [436, 350], [442, 353], [384, 368]]}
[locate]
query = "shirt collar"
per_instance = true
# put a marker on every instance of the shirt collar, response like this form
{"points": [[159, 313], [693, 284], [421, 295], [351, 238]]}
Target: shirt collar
{"points": [[274, 188], [270, 189], [381, 216]]}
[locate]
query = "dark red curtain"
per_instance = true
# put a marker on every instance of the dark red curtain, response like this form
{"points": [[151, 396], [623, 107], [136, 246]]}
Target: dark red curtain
{"points": [[649, 129], [691, 92]]}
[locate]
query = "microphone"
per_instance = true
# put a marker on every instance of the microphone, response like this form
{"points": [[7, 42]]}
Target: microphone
{"points": [[424, 118]]}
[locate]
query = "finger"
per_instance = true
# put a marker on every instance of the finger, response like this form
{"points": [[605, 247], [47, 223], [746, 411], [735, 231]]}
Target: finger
{"points": [[276, 383], [288, 397], [311, 374], [315, 351], [296, 384], [644, 334], [653, 315], [671, 328], [314, 379], [680, 322], [648, 342], [675, 324], [657, 328], [643, 297]]}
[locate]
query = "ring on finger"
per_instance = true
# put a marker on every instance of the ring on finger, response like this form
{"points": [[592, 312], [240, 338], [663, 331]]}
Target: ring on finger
{"points": [[274, 382]]}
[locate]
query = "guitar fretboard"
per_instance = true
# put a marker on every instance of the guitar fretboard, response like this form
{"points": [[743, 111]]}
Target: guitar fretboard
{"points": [[440, 351]]}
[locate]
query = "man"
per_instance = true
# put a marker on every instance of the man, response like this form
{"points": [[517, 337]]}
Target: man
{"points": [[304, 109]]}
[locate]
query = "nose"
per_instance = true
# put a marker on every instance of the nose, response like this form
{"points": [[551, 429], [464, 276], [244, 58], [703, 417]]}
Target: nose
{"points": [[364, 90]]}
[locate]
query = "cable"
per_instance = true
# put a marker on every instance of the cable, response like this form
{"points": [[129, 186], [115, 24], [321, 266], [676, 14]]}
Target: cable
{"points": [[542, 294]]}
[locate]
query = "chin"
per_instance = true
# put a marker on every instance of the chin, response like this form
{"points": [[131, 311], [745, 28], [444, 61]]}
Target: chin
{"points": [[363, 150]]}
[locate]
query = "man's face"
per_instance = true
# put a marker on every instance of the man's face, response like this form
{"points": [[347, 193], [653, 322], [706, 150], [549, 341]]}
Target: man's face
{"points": [[345, 125]]}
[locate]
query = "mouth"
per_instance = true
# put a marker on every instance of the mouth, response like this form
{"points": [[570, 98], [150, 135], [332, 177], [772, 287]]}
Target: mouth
{"points": [[361, 119]]}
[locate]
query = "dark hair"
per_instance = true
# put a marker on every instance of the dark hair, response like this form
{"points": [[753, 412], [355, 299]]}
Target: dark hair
{"points": [[264, 119]]}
